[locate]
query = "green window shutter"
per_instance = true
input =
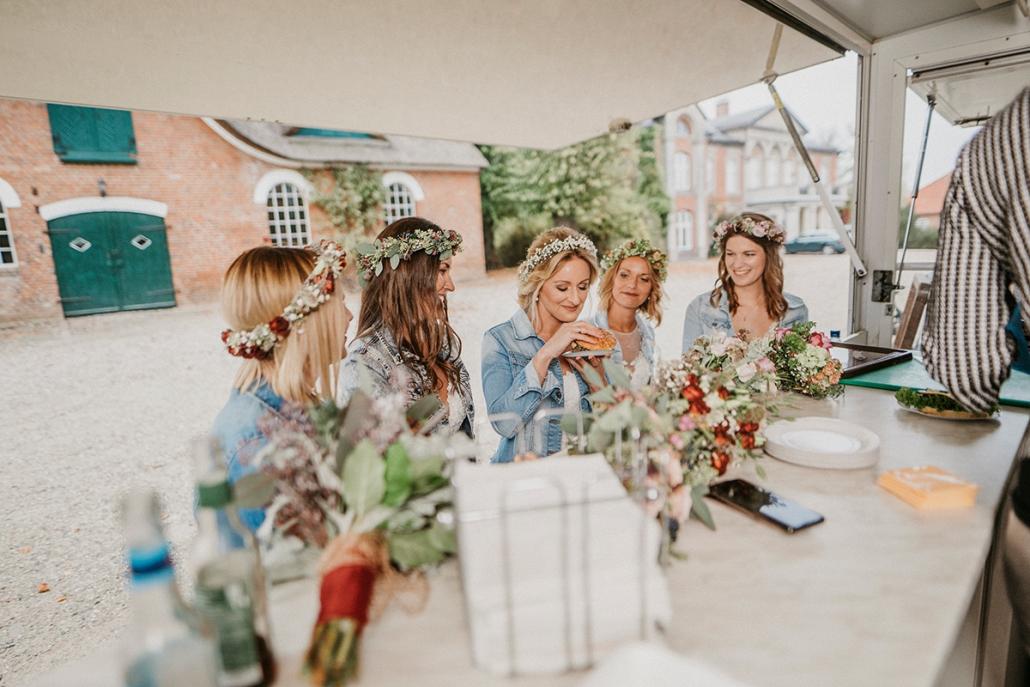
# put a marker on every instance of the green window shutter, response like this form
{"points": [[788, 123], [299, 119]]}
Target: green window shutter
{"points": [[87, 134]]}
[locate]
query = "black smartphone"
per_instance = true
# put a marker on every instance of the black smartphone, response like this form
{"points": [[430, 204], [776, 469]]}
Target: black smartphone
{"points": [[765, 504]]}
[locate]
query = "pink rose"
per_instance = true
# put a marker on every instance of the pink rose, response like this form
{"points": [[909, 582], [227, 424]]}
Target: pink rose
{"points": [[687, 423], [677, 441], [819, 339], [782, 332], [766, 365]]}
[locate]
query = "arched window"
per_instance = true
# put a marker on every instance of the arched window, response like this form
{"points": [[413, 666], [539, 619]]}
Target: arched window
{"points": [[710, 172], [400, 202], [772, 168], [754, 169], [681, 171], [790, 170], [732, 173], [683, 230], [8, 199], [682, 127], [287, 215]]}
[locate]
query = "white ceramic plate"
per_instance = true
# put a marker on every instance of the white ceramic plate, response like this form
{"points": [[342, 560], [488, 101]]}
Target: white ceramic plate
{"points": [[822, 442]]}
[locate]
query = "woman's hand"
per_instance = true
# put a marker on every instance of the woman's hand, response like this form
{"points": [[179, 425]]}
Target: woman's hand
{"points": [[594, 362], [560, 342]]}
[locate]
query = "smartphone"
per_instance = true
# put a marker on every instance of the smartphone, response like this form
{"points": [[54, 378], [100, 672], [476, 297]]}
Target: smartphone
{"points": [[753, 499]]}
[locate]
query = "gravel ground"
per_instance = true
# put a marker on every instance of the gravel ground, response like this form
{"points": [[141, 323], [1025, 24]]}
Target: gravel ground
{"points": [[95, 405]]}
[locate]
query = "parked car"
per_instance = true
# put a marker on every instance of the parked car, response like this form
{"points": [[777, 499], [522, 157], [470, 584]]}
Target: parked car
{"points": [[824, 243]]}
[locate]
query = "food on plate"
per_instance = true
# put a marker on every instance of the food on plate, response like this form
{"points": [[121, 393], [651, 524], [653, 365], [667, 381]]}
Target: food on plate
{"points": [[938, 404], [603, 344]]}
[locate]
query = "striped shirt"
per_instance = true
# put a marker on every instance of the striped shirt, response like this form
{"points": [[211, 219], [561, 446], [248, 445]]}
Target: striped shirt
{"points": [[983, 260]]}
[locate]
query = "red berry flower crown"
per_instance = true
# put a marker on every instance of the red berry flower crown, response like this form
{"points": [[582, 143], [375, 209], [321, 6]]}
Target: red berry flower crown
{"points": [[260, 341], [762, 229]]}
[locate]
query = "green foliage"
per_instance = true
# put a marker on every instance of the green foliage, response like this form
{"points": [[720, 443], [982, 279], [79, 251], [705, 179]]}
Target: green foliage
{"points": [[918, 237], [936, 400], [421, 548], [364, 481], [398, 476], [608, 187], [352, 197]]}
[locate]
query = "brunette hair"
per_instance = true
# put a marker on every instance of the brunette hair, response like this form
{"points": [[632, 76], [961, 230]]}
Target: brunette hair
{"points": [[257, 287], [652, 307], [529, 289], [405, 302], [772, 276]]}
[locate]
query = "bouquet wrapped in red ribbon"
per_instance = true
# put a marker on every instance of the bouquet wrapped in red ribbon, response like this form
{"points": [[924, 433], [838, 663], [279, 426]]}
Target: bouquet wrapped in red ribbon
{"points": [[363, 485]]}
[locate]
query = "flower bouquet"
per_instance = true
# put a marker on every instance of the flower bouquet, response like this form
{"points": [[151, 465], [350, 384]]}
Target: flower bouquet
{"points": [[803, 361], [747, 361], [669, 441], [364, 486]]}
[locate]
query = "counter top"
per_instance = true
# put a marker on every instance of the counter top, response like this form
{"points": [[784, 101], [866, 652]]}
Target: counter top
{"points": [[875, 595]]}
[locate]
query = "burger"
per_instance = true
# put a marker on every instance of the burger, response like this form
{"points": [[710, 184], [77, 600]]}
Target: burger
{"points": [[603, 344]]}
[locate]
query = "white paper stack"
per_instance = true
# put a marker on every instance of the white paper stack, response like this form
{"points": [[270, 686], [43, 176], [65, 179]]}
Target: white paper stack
{"points": [[560, 544]]}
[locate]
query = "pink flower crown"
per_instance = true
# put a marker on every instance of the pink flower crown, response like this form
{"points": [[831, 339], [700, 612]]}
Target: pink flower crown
{"points": [[319, 286], [760, 229]]}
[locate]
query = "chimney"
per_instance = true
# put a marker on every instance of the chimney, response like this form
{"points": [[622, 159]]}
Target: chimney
{"points": [[722, 108]]}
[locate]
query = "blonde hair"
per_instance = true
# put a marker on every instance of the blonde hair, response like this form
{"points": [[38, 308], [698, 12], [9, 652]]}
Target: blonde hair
{"points": [[652, 307], [529, 289], [257, 287]]}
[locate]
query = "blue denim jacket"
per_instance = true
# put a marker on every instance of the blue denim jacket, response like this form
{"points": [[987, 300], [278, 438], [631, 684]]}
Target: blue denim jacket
{"points": [[648, 349], [510, 384], [704, 320], [237, 430]]}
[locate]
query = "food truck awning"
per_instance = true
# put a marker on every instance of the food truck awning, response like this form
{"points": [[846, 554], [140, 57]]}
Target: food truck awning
{"points": [[537, 73]]}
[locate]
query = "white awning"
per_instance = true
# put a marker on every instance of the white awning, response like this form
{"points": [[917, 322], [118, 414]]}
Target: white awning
{"points": [[538, 73]]}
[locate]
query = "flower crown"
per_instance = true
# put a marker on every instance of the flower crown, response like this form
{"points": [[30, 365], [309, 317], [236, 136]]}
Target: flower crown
{"points": [[433, 241], [762, 229], [552, 248], [318, 287], [638, 248]]}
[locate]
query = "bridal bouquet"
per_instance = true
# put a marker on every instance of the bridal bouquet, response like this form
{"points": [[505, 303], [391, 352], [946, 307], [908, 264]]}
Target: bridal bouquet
{"points": [[364, 486], [747, 361], [803, 361], [669, 441]]}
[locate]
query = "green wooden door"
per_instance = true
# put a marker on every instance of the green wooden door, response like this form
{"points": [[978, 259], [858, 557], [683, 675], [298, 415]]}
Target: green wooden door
{"points": [[108, 261], [144, 272], [82, 260]]}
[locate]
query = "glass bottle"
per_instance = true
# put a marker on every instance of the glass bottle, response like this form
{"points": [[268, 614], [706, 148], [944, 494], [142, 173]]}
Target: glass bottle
{"points": [[230, 587], [165, 645]]}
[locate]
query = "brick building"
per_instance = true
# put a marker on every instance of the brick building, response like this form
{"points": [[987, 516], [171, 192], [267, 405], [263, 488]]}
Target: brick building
{"points": [[734, 162], [105, 210], [930, 202]]}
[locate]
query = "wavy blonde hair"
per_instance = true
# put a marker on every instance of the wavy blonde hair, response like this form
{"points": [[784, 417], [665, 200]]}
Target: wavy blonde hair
{"points": [[257, 287], [652, 307], [529, 289], [772, 275]]}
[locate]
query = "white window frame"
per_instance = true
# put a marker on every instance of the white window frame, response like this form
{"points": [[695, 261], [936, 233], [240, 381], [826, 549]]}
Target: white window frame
{"points": [[285, 231], [400, 202], [681, 162], [754, 169], [8, 199], [272, 179], [682, 127], [773, 168], [683, 230]]}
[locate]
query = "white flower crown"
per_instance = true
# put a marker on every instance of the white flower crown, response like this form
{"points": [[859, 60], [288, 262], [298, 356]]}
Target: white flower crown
{"points": [[316, 290], [552, 248]]}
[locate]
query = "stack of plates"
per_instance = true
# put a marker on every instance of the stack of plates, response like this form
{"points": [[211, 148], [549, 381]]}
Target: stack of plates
{"points": [[822, 442]]}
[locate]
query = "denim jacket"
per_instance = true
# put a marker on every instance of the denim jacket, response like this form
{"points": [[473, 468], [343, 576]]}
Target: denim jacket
{"points": [[375, 359], [237, 429], [511, 384], [648, 348], [704, 320]]}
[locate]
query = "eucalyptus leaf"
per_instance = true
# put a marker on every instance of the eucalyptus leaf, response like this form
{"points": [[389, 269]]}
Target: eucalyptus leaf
{"points": [[617, 374], [442, 538], [427, 475], [598, 439], [379, 268], [405, 521], [760, 471], [605, 395], [395, 260], [413, 550], [699, 508], [423, 409], [446, 255], [592, 377], [398, 476], [253, 491], [364, 480], [375, 517]]}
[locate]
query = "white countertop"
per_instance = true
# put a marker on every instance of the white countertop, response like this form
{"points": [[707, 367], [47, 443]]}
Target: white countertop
{"points": [[873, 596]]}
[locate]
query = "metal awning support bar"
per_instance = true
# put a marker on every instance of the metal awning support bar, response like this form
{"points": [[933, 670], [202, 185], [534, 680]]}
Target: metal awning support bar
{"points": [[824, 194], [931, 104]]}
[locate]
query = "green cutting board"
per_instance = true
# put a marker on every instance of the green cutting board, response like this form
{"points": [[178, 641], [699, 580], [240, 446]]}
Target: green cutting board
{"points": [[911, 373]]}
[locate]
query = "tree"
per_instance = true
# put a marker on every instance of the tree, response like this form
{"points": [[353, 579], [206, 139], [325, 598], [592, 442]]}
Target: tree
{"points": [[608, 187]]}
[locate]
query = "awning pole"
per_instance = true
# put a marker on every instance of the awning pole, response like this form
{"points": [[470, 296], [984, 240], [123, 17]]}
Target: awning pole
{"points": [[824, 194], [931, 103]]}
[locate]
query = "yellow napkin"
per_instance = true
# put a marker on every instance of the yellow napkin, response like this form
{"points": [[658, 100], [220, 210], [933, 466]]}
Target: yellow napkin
{"points": [[929, 487]]}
